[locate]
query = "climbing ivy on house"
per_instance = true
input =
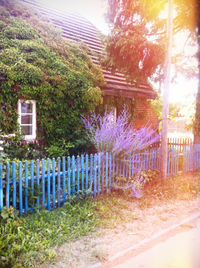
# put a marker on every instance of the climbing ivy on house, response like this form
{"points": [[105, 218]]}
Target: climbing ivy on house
{"points": [[36, 63]]}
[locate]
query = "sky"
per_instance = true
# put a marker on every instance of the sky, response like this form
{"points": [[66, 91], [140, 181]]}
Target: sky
{"points": [[94, 10]]}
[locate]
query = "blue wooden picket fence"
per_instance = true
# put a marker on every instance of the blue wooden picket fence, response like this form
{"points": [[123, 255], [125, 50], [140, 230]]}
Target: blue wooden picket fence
{"points": [[52, 182]]}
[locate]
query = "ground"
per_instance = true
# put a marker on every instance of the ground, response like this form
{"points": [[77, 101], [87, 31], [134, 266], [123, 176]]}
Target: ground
{"points": [[131, 221]]}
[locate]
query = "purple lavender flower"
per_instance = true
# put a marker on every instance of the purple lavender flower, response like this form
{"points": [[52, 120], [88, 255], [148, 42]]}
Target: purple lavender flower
{"points": [[118, 136], [3, 107]]}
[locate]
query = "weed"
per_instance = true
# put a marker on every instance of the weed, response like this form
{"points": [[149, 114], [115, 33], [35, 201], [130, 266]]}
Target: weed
{"points": [[100, 254]]}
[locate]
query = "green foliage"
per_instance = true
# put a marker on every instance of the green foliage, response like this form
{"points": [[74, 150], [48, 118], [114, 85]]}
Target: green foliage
{"points": [[27, 240], [132, 46], [15, 148], [8, 118], [58, 149], [36, 63]]}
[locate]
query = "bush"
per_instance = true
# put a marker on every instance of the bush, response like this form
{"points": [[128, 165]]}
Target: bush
{"points": [[117, 135]]}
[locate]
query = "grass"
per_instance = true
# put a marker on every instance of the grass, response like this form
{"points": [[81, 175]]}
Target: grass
{"points": [[29, 240]]}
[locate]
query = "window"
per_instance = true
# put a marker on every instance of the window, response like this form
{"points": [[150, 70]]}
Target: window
{"points": [[27, 118], [113, 113]]}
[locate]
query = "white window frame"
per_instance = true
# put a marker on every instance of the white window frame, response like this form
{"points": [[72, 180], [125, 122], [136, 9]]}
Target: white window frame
{"points": [[33, 102]]}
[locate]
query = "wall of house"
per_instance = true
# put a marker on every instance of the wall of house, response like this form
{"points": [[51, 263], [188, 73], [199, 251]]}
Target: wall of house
{"points": [[145, 115]]}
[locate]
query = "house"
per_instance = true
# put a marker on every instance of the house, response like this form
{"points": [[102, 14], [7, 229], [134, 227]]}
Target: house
{"points": [[78, 29]]}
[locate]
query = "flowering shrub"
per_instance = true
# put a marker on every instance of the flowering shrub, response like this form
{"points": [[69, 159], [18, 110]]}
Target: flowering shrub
{"points": [[117, 135]]}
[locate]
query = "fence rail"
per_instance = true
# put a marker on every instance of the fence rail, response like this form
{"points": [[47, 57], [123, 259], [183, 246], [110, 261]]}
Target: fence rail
{"points": [[49, 183], [178, 143]]}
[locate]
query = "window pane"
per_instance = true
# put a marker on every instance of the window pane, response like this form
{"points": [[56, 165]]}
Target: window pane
{"points": [[26, 119], [26, 108], [26, 130]]}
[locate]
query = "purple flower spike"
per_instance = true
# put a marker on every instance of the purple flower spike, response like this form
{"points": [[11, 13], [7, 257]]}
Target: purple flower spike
{"points": [[117, 135]]}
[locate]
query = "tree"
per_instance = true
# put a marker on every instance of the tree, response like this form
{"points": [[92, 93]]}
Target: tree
{"points": [[136, 45], [137, 26], [136, 41]]}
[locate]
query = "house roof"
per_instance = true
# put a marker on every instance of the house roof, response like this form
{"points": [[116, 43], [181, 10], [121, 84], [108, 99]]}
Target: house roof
{"points": [[78, 29]]}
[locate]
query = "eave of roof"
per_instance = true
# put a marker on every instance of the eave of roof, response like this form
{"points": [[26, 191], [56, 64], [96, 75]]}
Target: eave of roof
{"points": [[76, 28]]}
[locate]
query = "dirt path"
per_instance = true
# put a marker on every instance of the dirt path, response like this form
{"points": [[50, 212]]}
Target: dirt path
{"points": [[142, 223]]}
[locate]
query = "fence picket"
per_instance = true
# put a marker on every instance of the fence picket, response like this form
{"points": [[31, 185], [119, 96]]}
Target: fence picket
{"points": [[26, 186], [1, 186], [78, 173], [68, 176], [91, 174], [20, 189], [103, 171], [38, 181], [99, 173], [64, 178], [82, 173], [113, 176], [53, 183], [106, 170], [7, 185], [86, 172], [32, 182], [43, 183], [14, 184], [110, 170], [48, 184], [95, 174], [58, 181]]}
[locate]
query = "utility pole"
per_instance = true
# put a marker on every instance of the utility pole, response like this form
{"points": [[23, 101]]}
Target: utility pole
{"points": [[165, 110]]}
